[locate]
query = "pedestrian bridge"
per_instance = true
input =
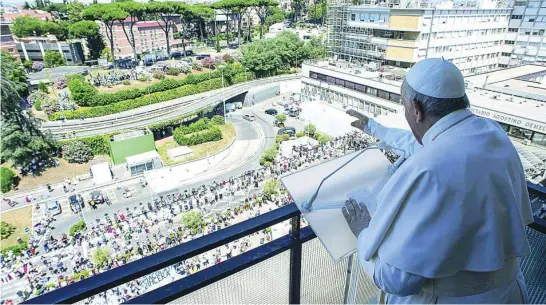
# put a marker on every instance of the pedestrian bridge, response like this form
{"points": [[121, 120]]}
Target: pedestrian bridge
{"points": [[293, 268]]}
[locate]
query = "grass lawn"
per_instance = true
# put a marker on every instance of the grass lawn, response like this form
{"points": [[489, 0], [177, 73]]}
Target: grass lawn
{"points": [[55, 174], [199, 151], [21, 219]]}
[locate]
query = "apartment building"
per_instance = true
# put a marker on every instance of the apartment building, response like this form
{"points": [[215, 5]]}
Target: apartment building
{"points": [[7, 44], [524, 42], [34, 48], [149, 37], [373, 36], [11, 13]]}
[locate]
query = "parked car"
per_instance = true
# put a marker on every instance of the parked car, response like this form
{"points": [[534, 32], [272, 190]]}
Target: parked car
{"points": [[293, 112], [271, 111], [53, 208], [289, 130], [76, 203], [249, 117], [230, 107], [201, 56], [98, 197]]}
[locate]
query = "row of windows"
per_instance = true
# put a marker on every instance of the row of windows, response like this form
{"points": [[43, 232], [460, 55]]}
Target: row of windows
{"points": [[393, 97], [371, 17], [533, 32], [463, 47], [532, 18], [468, 19], [466, 33], [532, 4]]}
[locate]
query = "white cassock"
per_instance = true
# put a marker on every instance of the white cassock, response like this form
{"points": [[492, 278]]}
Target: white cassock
{"points": [[450, 225]]}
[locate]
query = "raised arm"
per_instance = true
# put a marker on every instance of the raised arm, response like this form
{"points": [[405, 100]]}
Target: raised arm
{"points": [[397, 138]]}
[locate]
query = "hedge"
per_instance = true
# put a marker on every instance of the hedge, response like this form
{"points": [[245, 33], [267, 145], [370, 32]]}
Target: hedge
{"points": [[6, 179], [99, 144], [209, 135], [38, 105], [79, 226], [6, 230], [164, 85], [15, 248], [157, 97]]}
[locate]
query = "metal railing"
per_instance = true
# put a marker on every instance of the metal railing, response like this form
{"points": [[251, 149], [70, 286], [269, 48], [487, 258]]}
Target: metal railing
{"points": [[291, 242]]}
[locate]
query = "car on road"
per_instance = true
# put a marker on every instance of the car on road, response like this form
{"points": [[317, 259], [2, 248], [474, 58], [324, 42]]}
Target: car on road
{"points": [[289, 130], [271, 111], [249, 117], [76, 203], [293, 112], [53, 208]]}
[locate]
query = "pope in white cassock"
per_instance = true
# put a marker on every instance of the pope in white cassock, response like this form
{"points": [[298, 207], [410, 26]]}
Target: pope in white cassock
{"points": [[450, 222]]}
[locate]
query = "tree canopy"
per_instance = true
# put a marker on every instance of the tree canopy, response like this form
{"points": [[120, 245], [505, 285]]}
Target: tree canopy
{"points": [[90, 31], [108, 13], [12, 69], [25, 26]]}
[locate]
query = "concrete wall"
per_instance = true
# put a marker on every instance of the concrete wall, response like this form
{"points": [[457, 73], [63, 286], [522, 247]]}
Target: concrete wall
{"points": [[260, 94]]}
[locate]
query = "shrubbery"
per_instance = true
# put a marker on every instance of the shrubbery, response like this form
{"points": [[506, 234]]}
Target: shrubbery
{"points": [[53, 59], [197, 65], [82, 91], [269, 155], [6, 230], [38, 105], [218, 120], [173, 71], [77, 152], [99, 144], [157, 74], [43, 87], [209, 135], [15, 248], [126, 82], [7, 178], [60, 83], [49, 105], [143, 77], [37, 66], [79, 226]]}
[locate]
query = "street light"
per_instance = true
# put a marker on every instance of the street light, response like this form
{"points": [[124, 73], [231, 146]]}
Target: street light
{"points": [[222, 67]]}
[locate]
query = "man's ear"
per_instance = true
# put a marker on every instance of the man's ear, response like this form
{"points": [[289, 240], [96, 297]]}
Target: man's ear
{"points": [[418, 111]]}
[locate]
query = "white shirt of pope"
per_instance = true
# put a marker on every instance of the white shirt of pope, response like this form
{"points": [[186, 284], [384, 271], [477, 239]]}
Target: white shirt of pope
{"points": [[450, 222]]}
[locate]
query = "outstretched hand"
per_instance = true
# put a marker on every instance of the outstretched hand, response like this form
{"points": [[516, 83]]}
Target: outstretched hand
{"points": [[361, 123]]}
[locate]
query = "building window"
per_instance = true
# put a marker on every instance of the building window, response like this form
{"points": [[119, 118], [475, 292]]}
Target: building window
{"points": [[516, 16], [506, 54], [313, 75], [520, 133], [353, 17], [539, 138], [513, 30], [521, 3], [509, 42], [371, 91]]}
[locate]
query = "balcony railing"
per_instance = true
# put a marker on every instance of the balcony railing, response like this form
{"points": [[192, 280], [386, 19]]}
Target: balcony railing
{"points": [[293, 268]]}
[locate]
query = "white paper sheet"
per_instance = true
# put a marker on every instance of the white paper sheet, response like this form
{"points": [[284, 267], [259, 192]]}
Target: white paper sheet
{"points": [[362, 178]]}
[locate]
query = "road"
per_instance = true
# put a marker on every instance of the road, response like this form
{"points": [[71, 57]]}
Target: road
{"points": [[155, 113]]}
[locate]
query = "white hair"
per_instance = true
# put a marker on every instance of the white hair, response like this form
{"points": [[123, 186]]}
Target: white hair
{"points": [[433, 106]]}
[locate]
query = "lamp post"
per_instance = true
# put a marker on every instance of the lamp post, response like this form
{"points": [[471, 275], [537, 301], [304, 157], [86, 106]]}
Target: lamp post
{"points": [[222, 67], [148, 85], [246, 74]]}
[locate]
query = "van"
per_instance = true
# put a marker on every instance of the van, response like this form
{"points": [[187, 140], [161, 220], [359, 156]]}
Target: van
{"points": [[249, 117], [239, 105]]}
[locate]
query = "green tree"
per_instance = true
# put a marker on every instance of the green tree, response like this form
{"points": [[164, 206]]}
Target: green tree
{"points": [[276, 16], [90, 31], [261, 57], [192, 219], [166, 14], [27, 64], [109, 14], [106, 54], [310, 129], [271, 187], [53, 59], [12, 69], [240, 8], [43, 87], [77, 227], [77, 152], [317, 11], [264, 9], [25, 26], [7, 178], [227, 7], [21, 140], [75, 12], [202, 15], [281, 117], [135, 10], [100, 255], [6, 229]]}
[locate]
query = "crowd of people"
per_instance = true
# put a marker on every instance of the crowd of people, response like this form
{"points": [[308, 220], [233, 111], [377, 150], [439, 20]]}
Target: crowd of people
{"points": [[153, 226]]}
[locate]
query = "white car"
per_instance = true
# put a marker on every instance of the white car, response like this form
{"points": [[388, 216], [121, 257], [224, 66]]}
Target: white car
{"points": [[53, 208]]}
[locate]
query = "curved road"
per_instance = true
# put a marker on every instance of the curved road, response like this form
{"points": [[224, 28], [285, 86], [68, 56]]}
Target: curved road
{"points": [[155, 113]]}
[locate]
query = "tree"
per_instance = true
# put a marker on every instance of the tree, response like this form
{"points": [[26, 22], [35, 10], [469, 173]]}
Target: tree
{"points": [[25, 26], [310, 129], [135, 11], [53, 59], [109, 14], [261, 57], [297, 6], [100, 256], [317, 11], [166, 11], [21, 140], [90, 31], [106, 54], [239, 8], [77, 152], [271, 187], [13, 70], [226, 7], [7, 178], [192, 219], [276, 16], [202, 14], [281, 117], [263, 10], [75, 12]]}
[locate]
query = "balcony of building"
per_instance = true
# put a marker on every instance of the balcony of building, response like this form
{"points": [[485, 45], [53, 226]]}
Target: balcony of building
{"points": [[292, 268]]}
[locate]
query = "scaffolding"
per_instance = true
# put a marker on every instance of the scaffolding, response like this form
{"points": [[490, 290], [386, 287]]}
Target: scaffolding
{"points": [[351, 45]]}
